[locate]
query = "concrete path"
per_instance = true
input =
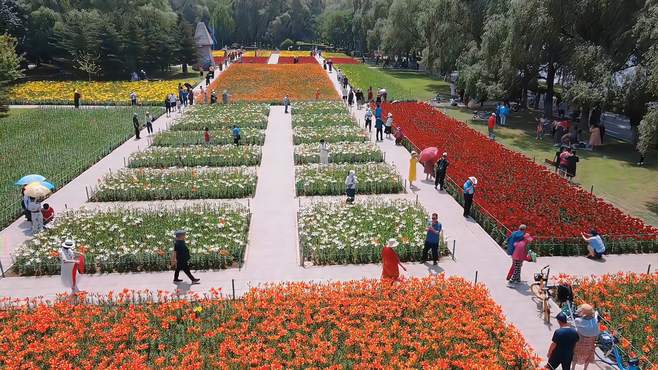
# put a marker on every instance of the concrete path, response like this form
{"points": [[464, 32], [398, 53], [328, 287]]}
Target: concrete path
{"points": [[274, 59], [272, 251], [73, 195]]}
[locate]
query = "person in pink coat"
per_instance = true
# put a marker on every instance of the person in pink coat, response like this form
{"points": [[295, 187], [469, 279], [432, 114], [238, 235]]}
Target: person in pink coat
{"points": [[519, 255]]}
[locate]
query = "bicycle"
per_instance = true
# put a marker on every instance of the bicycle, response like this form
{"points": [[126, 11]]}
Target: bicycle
{"points": [[611, 354], [561, 294]]}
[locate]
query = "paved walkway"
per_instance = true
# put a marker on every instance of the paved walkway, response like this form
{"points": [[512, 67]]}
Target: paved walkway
{"points": [[73, 194], [274, 59], [272, 249]]}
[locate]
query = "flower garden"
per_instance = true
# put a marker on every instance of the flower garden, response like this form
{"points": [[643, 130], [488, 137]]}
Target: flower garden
{"points": [[336, 233], [270, 82], [373, 178], [432, 322], [197, 156], [512, 190], [627, 303], [223, 136], [126, 240], [95, 92], [48, 132], [217, 117], [341, 152]]}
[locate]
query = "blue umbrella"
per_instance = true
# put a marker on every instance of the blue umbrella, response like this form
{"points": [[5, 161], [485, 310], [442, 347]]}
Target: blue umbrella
{"points": [[30, 178], [47, 184]]}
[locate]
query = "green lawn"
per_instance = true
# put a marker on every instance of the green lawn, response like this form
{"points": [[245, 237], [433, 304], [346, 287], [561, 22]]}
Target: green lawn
{"points": [[58, 143], [611, 169], [400, 85]]}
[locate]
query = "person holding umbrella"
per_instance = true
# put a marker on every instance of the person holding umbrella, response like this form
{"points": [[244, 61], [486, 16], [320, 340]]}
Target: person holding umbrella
{"points": [[36, 191], [469, 192], [34, 206], [428, 158], [441, 169]]}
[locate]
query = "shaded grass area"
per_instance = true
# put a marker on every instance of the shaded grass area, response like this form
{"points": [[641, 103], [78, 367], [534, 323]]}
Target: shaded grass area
{"points": [[611, 169], [400, 85]]}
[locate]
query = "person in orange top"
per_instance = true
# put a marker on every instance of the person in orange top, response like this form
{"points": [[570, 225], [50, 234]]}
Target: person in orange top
{"points": [[48, 213], [491, 124], [391, 261]]}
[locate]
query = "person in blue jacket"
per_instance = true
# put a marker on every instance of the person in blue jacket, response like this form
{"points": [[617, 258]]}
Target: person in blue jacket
{"points": [[504, 114], [469, 192], [515, 237]]}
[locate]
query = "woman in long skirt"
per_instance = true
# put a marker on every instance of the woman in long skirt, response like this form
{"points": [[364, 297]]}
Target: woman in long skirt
{"points": [[412, 168], [587, 326], [70, 260]]}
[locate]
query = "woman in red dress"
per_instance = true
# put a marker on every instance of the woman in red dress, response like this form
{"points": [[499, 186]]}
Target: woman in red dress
{"points": [[391, 261]]}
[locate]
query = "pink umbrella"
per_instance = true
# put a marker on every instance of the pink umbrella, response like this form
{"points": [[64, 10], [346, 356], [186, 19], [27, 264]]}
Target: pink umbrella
{"points": [[429, 155]]}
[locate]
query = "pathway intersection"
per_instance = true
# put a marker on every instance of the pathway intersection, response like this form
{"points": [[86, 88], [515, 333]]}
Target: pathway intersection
{"points": [[272, 252]]}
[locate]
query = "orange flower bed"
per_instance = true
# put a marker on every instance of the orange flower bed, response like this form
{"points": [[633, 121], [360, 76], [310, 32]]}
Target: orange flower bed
{"points": [[626, 301], [270, 82], [421, 323]]}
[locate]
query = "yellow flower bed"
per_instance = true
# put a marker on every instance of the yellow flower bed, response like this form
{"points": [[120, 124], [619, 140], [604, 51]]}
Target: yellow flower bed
{"points": [[111, 92], [294, 53], [327, 54], [261, 53]]}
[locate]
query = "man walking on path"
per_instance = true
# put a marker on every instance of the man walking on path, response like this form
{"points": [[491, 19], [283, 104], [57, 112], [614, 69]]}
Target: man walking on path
{"points": [[149, 123], [286, 103], [182, 255], [133, 98], [432, 239], [136, 125], [391, 261], [441, 169], [491, 124], [564, 340], [469, 192], [379, 128]]}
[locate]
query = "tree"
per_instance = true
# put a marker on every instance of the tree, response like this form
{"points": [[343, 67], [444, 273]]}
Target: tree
{"points": [[402, 34], [9, 68], [647, 131], [335, 27], [87, 63], [38, 41], [222, 22], [187, 49]]}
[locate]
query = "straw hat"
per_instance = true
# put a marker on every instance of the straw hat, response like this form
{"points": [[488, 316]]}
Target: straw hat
{"points": [[585, 310], [68, 243], [474, 180], [390, 114], [392, 243]]}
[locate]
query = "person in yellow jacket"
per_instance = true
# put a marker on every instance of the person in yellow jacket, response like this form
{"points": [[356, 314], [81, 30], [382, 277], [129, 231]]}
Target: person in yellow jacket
{"points": [[412, 168]]}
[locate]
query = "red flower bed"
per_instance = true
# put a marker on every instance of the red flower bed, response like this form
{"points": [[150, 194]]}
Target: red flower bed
{"points": [[514, 190], [345, 61], [218, 60], [301, 60], [256, 60]]}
